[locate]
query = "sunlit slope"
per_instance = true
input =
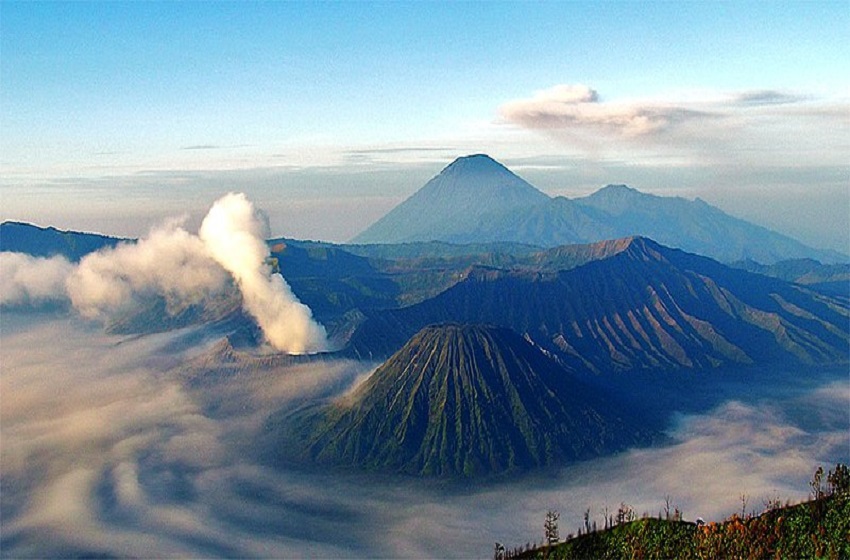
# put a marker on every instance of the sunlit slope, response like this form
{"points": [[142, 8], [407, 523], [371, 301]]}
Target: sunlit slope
{"points": [[468, 400]]}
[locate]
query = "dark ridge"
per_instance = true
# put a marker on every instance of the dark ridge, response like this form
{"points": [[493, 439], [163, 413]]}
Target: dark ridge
{"points": [[638, 306], [19, 237]]}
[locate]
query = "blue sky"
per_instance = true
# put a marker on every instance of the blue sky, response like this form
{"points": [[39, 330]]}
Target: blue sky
{"points": [[115, 115]]}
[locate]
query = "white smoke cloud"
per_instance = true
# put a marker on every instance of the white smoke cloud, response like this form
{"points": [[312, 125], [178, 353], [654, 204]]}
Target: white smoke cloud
{"points": [[31, 280], [183, 268], [233, 233], [170, 262]]}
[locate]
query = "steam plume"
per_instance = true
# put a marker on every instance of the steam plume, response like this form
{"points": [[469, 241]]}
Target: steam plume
{"points": [[170, 262], [31, 280], [179, 266], [234, 235]]}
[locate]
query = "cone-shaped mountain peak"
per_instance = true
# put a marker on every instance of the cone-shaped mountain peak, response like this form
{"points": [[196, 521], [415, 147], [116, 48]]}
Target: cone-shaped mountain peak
{"points": [[465, 193], [477, 200], [467, 400], [478, 181], [476, 164]]}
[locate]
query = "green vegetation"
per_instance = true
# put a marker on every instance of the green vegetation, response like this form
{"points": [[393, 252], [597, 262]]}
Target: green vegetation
{"points": [[468, 401], [819, 528]]}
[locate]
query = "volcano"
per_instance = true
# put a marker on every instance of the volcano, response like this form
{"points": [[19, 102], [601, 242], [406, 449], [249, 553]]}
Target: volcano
{"points": [[467, 400], [462, 196]]}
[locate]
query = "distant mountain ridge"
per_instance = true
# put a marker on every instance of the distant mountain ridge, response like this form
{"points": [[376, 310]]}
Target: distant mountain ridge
{"points": [[477, 200], [833, 279], [20, 237], [467, 400], [629, 305]]}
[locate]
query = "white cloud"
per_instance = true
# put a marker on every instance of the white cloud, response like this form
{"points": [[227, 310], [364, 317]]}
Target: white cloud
{"points": [[570, 106], [759, 127]]}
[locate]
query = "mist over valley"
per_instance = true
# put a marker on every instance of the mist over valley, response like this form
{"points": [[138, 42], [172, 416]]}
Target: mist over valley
{"points": [[113, 446]]}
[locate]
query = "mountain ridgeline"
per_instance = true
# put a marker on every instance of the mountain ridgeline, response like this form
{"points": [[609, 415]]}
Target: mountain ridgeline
{"points": [[18, 237], [477, 200], [629, 305], [468, 400]]}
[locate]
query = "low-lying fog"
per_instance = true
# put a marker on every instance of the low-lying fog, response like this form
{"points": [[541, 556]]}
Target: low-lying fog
{"points": [[106, 450]]}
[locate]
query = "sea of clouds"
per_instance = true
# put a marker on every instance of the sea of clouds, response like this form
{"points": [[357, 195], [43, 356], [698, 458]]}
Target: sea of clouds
{"points": [[108, 449]]}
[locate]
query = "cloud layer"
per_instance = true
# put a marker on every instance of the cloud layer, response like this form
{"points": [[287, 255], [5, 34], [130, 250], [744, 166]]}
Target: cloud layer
{"points": [[578, 106], [770, 127], [107, 454], [114, 453]]}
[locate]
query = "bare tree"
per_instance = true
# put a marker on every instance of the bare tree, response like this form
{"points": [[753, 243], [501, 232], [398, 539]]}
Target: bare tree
{"points": [[625, 514], [773, 503], [839, 479], [817, 484], [550, 527]]}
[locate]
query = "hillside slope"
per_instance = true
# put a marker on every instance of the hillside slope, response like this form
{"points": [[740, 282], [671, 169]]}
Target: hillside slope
{"points": [[816, 529], [36, 241], [468, 400]]}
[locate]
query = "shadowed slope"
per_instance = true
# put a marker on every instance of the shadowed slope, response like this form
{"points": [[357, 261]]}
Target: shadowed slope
{"points": [[639, 305]]}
